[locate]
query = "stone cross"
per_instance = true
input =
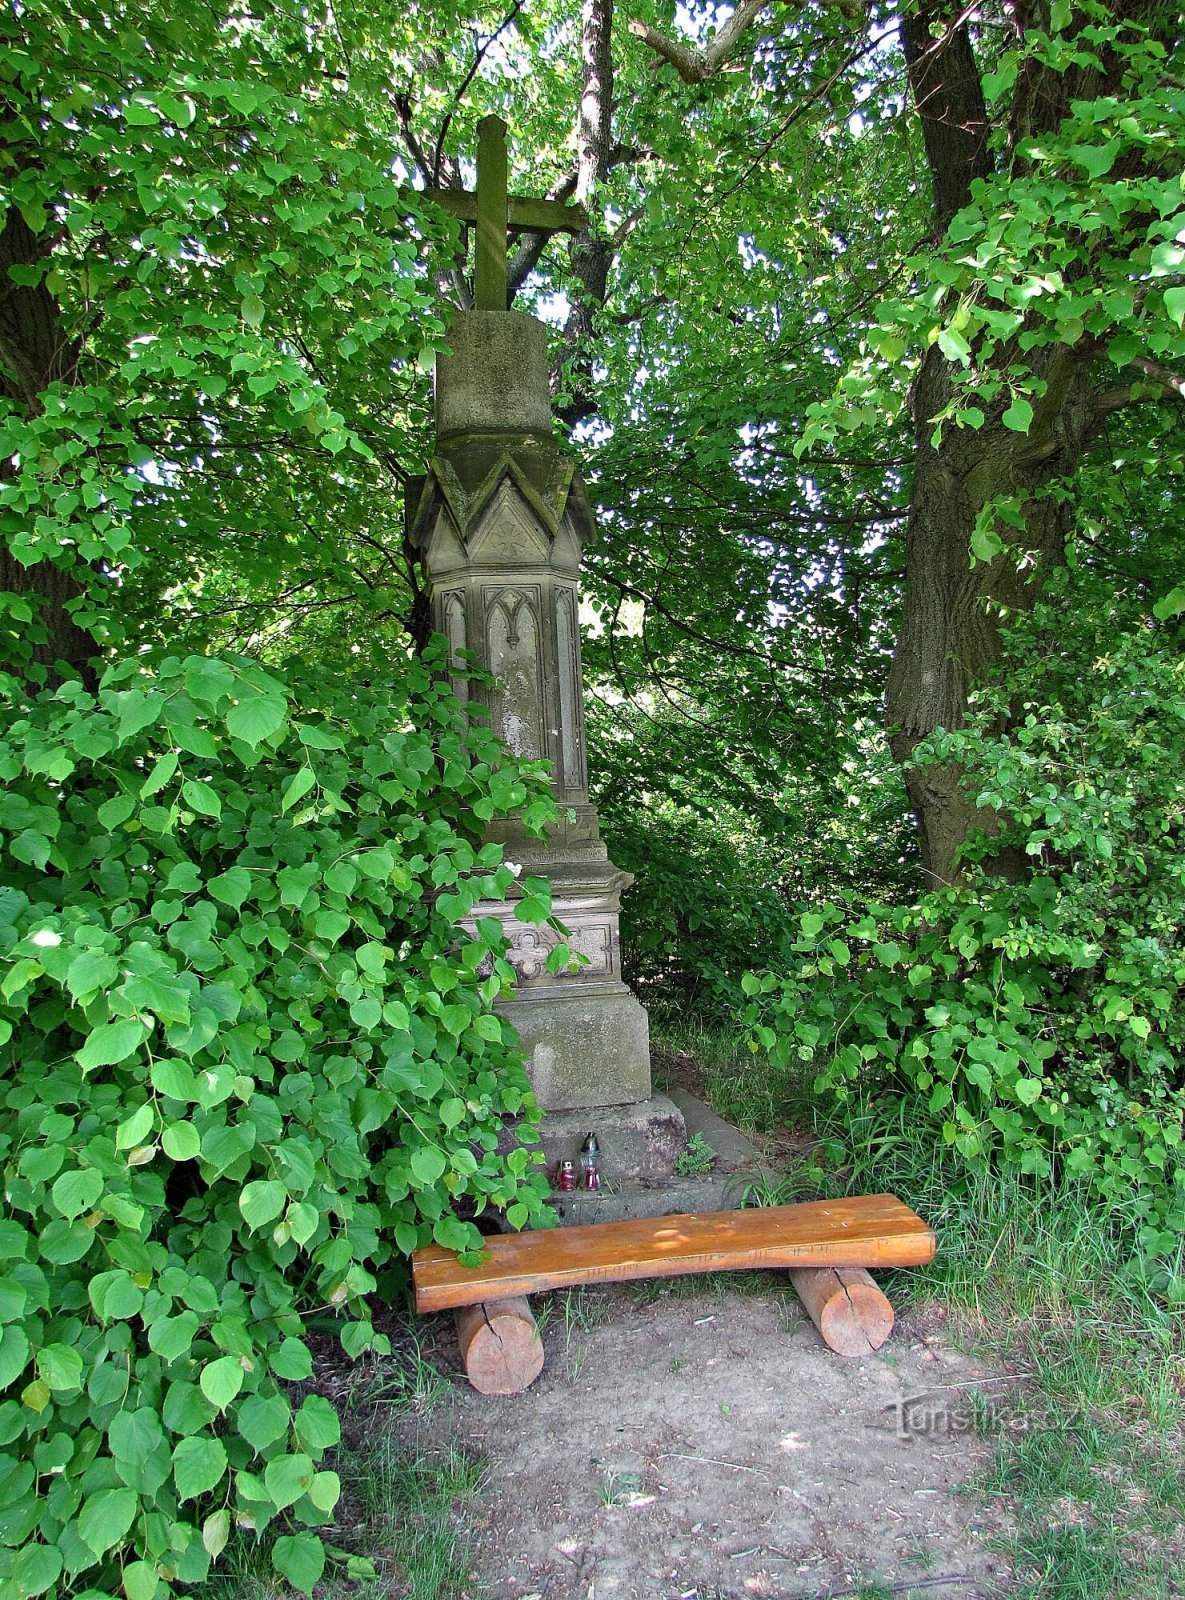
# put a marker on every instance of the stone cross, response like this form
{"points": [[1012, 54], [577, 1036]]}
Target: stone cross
{"points": [[496, 213]]}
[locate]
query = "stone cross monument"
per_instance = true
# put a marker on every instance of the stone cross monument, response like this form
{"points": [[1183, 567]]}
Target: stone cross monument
{"points": [[500, 518]]}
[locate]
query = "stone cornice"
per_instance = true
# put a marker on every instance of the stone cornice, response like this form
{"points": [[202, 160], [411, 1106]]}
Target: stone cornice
{"points": [[462, 481]]}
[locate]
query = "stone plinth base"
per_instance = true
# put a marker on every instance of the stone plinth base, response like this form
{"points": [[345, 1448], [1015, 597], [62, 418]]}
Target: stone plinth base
{"points": [[585, 1048], [639, 1141], [737, 1166]]}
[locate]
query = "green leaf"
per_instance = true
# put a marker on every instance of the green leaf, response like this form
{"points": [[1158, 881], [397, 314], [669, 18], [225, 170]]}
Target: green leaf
{"points": [[90, 971], [116, 811], [452, 1111], [427, 1165], [201, 797], [140, 1580], [1019, 415], [110, 1043], [106, 1517], [255, 718], [61, 1366], [37, 1396], [174, 1079], [325, 1491], [264, 1419], [221, 1380], [172, 1337], [261, 1202], [114, 1295], [286, 1478], [181, 1142], [216, 1533], [77, 1191], [232, 887], [37, 1568], [366, 1013], [14, 1355], [986, 543], [291, 1361], [134, 1435], [199, 1464], [297, 787], [303, 1220], [1028, 1090], [1096, 160], [317, 1425], [1172, 605], [1174, 304], [299, 1557], [31, 847], [954, 347]]}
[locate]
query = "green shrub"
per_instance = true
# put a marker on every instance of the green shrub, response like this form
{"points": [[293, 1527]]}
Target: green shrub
{"points": [[1038, 1023], [700, 912], [249, 1061]]}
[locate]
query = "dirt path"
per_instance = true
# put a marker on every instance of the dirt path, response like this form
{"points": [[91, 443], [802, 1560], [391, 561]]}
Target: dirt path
{"points": [[708, 1446]]}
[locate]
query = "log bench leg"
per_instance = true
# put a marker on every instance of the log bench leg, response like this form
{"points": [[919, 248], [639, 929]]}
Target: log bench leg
{"points": [[500, 1346], [846, 1306]]}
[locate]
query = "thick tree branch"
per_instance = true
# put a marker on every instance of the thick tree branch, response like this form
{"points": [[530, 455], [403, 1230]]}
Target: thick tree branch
{"points": [[948, 93], [591, 255], [526, 257], [694, 66], [1161, 385], [479, 56]]}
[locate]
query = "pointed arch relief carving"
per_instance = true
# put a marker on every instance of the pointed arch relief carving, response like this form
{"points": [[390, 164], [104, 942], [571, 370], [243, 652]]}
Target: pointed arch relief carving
{"points": [[571, 690], [512, 631], [455, 631]]}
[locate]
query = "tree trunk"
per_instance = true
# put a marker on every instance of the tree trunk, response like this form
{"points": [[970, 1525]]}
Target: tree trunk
{"points": [[949, 637], [591, 254], [950, 630], [36, 351]]}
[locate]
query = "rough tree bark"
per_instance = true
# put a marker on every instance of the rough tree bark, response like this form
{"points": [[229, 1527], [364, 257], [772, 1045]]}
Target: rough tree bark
{"points": [[590, 252], [35, 351], [949, 636]]}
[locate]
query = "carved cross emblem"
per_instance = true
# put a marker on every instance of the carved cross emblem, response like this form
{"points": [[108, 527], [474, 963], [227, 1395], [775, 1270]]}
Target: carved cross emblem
{"points": [[498, 213]]}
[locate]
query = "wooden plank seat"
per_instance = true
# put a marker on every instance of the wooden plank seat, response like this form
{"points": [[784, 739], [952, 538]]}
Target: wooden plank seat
{"points": [[859, 1232]]}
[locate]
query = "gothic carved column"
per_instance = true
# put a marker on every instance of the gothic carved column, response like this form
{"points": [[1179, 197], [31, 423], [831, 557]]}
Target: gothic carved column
{"points": [[500, 519]]}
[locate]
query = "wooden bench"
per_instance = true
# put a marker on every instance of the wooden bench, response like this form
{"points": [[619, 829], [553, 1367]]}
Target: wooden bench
{"points": [[827, 1246]]}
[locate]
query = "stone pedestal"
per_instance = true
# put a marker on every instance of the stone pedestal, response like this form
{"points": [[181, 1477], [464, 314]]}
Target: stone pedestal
{"points": [[500, 519]]}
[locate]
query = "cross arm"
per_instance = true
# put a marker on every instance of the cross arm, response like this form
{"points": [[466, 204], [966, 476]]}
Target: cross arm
{"points": [[523, 214]]}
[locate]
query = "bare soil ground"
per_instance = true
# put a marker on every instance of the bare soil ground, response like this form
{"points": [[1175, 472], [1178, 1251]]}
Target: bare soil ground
{"points": [[706, 1444]]}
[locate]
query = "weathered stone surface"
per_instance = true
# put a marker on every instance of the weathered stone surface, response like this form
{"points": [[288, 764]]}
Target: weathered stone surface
{"points": [[656, 1194], [637, 1141], [495, 377], [586, 1049]]}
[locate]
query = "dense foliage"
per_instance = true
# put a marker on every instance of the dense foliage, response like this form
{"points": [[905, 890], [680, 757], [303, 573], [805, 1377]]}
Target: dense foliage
{"points": [[251, 1062], [869, 336], [1037, 1022], [250, 1056]]}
